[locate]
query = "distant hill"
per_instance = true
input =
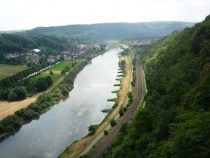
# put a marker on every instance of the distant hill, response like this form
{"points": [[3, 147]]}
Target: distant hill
{"points": [[113, 30]]}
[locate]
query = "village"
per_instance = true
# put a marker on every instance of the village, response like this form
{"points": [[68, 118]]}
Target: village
{"points": [[138, 42], [36, 55]]}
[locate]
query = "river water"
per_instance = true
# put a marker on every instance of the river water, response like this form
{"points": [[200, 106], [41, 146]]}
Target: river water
{"points": [[69, 120]]}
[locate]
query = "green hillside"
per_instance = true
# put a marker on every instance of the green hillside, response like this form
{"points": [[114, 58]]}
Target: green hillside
{"points": [[113, 30], [175, 122]]}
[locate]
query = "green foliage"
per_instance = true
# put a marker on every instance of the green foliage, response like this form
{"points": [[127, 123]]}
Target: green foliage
{"points": [[189, 136], [63, 72], [113, 122], [92, 128], [51, 73], [112, 30], [11, 123], [130, 95], [121, 112], [43, 83], [106, 132], [49, 45], [61, 65], [175, 122], [12, 96], [125, 52]]}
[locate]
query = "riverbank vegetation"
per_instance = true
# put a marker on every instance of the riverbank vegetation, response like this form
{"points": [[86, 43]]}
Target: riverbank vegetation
{"points": [[45, 101], [75, 149], [175, 121], [122, 108]]}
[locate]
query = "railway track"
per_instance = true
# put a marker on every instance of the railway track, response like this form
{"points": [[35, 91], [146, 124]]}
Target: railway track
{"points": [[127, 115]]}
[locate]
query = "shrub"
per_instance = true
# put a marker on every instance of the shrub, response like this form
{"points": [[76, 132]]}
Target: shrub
{"points": [[113, 122], [106, 132]]}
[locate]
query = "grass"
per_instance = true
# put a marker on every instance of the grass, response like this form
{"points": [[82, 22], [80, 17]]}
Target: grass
{"points": [[1, 77], [112, 99], [55, 77], [106, 110], [62, 65], [7, 70]]}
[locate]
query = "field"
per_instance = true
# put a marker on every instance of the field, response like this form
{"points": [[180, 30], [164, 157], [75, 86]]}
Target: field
{"points": [[1, 77], [8, 108], [7, 70], [61, 65]]}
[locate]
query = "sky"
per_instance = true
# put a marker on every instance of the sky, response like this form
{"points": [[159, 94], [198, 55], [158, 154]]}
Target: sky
{"points": [[28, 14]]}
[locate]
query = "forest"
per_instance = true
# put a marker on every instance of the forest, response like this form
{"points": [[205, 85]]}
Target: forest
{"points": [[175, 122], [109, 31], [19, 43]]}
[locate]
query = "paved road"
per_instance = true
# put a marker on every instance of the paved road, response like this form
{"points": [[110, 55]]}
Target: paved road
{"points": [[100, 149]]}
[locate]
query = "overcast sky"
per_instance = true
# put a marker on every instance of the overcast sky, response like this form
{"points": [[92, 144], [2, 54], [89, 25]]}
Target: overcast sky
{"points": [[27, 14]]}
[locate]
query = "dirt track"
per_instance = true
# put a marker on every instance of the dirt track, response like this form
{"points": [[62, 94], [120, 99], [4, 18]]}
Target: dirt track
{"points": [[103, 146], [9, 108], [76, 148]]}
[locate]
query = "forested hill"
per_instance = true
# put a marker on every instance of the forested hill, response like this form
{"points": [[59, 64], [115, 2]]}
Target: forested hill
{"points": [[113, 30], [175, 122]]}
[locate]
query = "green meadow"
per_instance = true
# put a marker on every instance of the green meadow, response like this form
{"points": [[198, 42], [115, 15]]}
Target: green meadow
{"points": [[61, 66], [7, 70]]}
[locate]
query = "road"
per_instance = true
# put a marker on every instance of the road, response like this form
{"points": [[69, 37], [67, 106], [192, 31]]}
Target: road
{"points": [[101, 148]]}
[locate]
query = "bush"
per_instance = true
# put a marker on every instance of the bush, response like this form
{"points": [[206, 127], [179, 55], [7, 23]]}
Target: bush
{"points": [[12, 96], [106, 132], [10, 123], [121, 113], [92, 128], [113, 122], [35, 107], [30, 114]]}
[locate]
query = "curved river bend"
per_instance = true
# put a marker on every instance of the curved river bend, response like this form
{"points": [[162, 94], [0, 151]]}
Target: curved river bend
{"points": [[69, 119]]}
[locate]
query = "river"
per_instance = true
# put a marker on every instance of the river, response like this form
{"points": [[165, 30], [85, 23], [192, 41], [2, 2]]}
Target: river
{"points": [[68, 120]]}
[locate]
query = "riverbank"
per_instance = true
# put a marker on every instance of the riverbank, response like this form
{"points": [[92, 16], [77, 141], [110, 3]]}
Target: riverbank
{"points": [[9, 108], [23, 111], [75, 149]]}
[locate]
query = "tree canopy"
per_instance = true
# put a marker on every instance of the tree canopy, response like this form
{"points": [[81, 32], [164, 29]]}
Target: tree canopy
{"points": [[175, 122]]}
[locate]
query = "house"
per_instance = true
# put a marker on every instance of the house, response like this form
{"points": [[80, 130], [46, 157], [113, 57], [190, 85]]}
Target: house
{"points": [[51, 59], [36, 50], [69, 57], [36, 60]]}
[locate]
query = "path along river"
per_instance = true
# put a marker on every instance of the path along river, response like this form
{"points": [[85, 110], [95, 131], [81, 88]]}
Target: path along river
{"points": [[69, 120]]}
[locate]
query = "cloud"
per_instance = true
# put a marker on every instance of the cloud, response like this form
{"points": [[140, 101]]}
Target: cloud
{"points": [[26, 14]]}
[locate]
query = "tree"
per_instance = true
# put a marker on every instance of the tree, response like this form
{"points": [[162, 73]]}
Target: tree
{"points": [[63, 72], [51, 73], [123, 63], [121, 112], [49, 81], [106, 132], [12, 96], [92, 128], [21, 92], [113, 122], [130, 95], [41, 84]]}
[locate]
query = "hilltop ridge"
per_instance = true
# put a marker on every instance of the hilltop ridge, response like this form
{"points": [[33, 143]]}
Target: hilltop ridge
{"points": [[113, 30]]}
